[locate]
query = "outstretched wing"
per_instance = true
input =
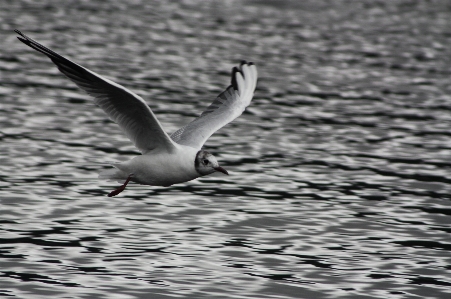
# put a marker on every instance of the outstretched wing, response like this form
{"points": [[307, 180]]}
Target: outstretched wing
{"points": [[226, 107], [124, 107]]}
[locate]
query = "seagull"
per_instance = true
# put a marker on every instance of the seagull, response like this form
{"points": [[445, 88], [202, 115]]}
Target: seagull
{"points": [[165, 159]]}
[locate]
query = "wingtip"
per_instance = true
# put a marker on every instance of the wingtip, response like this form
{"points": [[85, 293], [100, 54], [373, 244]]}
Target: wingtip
{"points": [[240, 70], [23, 38], [244, 62], [233, 81]]}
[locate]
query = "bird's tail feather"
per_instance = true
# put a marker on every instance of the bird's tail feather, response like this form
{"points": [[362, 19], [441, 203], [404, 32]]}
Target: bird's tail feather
{"points": [[113, 174]]}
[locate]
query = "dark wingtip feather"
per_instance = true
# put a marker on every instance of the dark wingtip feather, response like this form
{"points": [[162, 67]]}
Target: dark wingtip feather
{"points": [[238, 69], [22, 36], [233, 82], [25, 39], [64, 65]]}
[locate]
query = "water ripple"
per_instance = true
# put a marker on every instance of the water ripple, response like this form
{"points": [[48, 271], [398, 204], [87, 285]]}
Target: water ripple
{"points": [[340, 175]]}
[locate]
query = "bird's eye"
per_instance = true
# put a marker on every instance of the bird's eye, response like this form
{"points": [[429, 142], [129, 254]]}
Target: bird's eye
{"points": [[206, 162]]}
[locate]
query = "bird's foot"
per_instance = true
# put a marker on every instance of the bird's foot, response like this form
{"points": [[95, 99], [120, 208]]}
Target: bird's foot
{"points": [[121, 188]]}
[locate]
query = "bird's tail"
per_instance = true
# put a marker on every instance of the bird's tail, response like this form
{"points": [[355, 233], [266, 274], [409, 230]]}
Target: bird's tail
{"points": [[113, 174]]}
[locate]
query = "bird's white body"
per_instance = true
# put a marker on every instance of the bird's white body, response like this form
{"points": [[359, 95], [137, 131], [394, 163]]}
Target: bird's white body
{"points": [[158, 168], [166, 159]]}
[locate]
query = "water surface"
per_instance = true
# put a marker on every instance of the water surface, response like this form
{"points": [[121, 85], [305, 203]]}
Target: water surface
{"points": [[340, 172]]}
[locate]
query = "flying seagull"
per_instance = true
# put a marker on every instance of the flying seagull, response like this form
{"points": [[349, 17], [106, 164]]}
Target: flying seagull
{"points": [[166, 159]]}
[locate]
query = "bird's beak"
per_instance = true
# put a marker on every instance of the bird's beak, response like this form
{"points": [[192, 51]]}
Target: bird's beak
{"points": [[220, 169]]}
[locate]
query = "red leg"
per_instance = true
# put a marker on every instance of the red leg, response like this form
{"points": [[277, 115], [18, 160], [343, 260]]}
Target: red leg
{"points": [[121, 188]]}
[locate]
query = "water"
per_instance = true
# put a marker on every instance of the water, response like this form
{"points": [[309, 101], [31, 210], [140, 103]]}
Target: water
{"points": [[340, 173]]}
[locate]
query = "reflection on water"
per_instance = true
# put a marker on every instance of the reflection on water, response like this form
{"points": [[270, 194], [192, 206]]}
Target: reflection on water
{"points": [[340, 171]]}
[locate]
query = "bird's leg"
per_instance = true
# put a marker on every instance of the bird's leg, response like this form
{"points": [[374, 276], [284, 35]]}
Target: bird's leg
{"points": [[121, 188]]}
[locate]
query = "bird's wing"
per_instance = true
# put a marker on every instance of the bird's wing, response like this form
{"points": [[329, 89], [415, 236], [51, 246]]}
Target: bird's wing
{"points": [[225, 108], [124, 107]]}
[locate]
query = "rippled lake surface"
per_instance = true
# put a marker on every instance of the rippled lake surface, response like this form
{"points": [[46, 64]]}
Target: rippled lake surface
{"points": [[340, 169]]}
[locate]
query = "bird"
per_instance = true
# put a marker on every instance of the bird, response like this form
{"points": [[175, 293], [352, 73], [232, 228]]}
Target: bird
{"points": [[165, 159]]}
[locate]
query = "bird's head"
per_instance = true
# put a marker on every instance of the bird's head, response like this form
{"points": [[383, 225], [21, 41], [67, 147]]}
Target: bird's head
{"points": [[206, 163]]}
